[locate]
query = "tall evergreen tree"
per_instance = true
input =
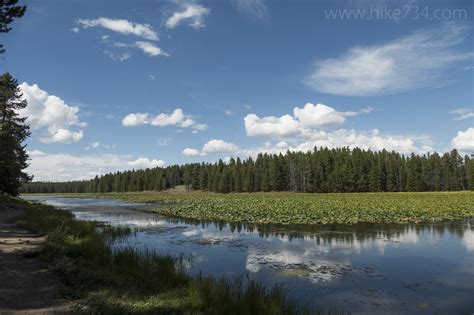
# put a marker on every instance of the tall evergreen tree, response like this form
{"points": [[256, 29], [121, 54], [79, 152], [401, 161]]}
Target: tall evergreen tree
{"points": [[13, 132], [9, 11]]}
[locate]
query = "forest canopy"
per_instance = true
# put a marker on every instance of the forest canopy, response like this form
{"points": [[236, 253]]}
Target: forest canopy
{"points": [[321, 170]]}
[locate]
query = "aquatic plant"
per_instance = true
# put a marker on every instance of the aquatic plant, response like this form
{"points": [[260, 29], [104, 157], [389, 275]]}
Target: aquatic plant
{"points": [[300, 208]]}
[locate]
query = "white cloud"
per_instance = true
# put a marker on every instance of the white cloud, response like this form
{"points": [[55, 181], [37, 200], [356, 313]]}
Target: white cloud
{"points": [[463, 113], [344, 138], [93, 145], [135, 119], [36, 153], [464, 140], [212, 146], [115, 50], [144, 162], [150, 49], [320, 116], [191, 152], [422, 59], [254, 8], [176, 118], [50, 112], [121, 26], [200, 127], [62, 136], [228, 113], [194, 13], [303, 121], [67, 167], [353, 139], [271, 126], [219, 146], [366, 110]]}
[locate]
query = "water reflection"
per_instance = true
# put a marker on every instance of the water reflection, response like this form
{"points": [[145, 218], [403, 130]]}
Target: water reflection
{"points": [[367, 268]]}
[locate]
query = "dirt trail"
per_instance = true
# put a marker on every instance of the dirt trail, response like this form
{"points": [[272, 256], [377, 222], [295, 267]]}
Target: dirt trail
{"points": [[26, 284]]}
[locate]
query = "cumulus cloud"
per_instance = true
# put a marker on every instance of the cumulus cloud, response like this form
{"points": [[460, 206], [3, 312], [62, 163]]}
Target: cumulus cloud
{"points": [[271, 126], [423, 59], [344, 138], [464, 140], [176, 118], [50, 113], [135, 119], [63, 136], [304, 119], [463, 113], [121, 26], [150, 49], [67, 167], [320, 116], [144, 162], [191, 152], [353, 139], [211, 147], [191, 12], [219, 146]]}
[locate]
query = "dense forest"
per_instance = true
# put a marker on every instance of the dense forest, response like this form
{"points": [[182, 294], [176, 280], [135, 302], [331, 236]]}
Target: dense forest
{"points": [[322, 170]]}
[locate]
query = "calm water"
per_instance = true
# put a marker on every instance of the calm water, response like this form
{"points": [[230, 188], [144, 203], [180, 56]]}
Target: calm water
{"points": [[422, 268]]}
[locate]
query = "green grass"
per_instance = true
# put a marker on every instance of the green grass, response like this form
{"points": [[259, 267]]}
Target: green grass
{"points": [[301, 208], [137, 282]]}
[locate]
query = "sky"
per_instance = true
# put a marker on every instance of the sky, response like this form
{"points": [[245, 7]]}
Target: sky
{"points": [[141, 84]]}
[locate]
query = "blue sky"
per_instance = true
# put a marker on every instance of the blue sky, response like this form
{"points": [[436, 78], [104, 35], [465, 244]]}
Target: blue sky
{"points": [[139, 84]]}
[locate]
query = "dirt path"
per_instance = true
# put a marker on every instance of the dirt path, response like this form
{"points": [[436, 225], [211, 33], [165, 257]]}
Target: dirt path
{"points": [[26, 284]]}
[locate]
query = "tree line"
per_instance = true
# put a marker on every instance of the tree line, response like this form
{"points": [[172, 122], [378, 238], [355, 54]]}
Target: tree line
{"points": [[318, 171]]}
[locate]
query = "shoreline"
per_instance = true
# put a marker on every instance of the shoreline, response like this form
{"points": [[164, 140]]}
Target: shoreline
{"points": [[106, 281]]}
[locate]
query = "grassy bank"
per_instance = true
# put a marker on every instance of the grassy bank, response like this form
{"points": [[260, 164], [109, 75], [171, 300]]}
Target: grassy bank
{"points": [[300, 208], [127, 281]]}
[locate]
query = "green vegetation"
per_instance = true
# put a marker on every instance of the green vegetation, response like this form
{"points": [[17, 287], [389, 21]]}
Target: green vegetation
{"points": [[13, 129], [320, 170], [299, 208], [13, 132], [130, 281], [9, 12]]}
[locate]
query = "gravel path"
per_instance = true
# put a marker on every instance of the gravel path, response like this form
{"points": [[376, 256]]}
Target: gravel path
{"points": [[27, 286]]}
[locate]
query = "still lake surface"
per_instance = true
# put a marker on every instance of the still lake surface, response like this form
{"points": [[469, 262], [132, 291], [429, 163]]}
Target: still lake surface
{"points": [[362, 268]]}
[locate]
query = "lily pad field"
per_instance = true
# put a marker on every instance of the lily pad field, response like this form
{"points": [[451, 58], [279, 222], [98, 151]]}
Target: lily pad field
{"points": [[301, 208]]}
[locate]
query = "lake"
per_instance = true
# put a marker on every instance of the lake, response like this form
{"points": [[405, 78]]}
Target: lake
{"points": [[362, 268]]}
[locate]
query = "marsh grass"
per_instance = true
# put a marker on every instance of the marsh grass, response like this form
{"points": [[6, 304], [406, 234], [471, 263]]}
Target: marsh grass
{"points": [[134, 281]]}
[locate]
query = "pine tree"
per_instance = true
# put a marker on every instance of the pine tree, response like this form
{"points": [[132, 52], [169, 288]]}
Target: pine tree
{"points": [[13, 132], [9, 11], [469, 162]]}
